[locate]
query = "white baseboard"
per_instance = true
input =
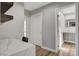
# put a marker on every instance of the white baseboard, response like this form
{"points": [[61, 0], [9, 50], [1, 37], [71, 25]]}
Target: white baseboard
{"points": [[49, 49]]}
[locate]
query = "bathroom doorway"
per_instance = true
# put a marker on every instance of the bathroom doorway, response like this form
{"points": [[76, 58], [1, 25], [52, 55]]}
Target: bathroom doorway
{"points": [[66, 30]]}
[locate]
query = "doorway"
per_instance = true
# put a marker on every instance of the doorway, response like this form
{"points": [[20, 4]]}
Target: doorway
{"points": [[66, 30]]}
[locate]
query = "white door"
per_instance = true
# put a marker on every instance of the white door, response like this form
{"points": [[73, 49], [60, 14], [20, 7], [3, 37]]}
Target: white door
{"points": [[36, 29]]}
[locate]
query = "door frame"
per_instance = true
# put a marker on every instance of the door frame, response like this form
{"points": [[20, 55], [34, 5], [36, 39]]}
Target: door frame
{"points": [[56, 21], [56, 25]]}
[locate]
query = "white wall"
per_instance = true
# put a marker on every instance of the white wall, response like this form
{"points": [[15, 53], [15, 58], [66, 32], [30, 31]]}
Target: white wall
{"points": [[13, 28], [36, 29], [49, 26], [0, 12], [77, 37], [28, 25]]}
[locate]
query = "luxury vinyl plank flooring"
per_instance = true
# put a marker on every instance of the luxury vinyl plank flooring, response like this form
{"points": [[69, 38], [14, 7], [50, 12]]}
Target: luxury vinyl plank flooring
{"points": [[43, 52], [67, 50], [52, 54]]}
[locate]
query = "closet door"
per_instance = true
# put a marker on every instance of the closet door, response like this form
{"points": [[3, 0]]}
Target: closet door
{"points": [[36, 29]]}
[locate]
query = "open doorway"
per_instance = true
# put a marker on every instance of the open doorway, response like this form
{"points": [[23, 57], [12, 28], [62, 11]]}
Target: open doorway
{"points": [[66, 30]]}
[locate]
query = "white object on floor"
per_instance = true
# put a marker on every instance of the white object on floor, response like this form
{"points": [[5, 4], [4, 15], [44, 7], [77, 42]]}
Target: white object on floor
{"points": [[15, 47]]}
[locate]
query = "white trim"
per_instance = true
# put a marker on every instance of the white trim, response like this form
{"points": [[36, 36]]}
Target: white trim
{"points": [[49, 49]]}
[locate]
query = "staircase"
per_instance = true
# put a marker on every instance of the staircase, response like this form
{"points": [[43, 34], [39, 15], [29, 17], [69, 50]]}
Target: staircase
{"points": [[5, 6]]}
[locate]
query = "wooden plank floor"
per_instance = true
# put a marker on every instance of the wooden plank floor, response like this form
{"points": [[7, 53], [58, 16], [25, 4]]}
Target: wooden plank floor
{"points": [[43, 52], [67, 50]]}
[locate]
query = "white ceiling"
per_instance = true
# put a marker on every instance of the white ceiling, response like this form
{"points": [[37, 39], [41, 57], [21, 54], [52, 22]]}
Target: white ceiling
{"points": [[34, 5]]}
